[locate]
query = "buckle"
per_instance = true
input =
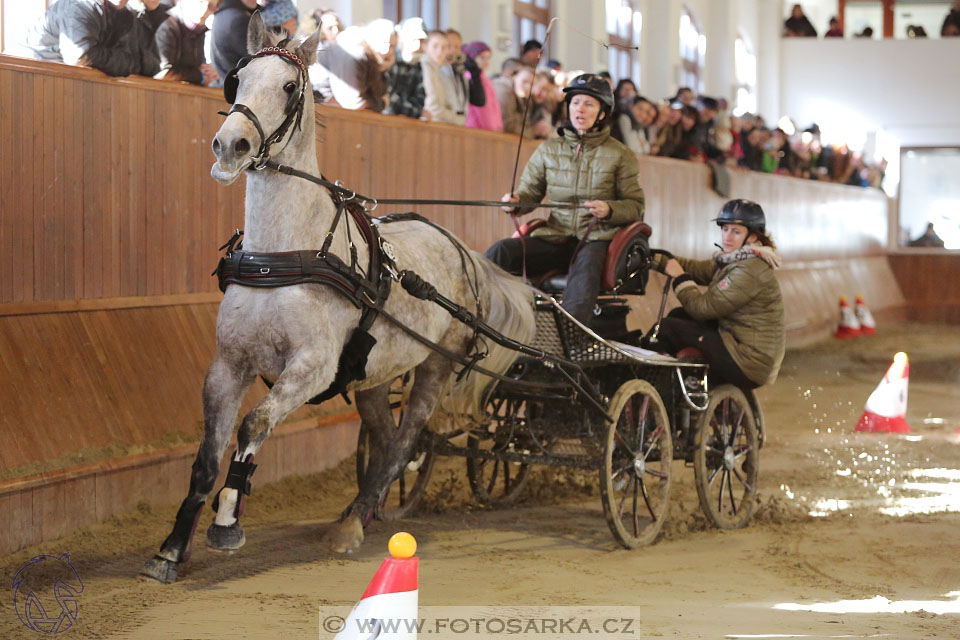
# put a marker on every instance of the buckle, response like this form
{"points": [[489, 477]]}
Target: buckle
{"points": [[339, 185]]}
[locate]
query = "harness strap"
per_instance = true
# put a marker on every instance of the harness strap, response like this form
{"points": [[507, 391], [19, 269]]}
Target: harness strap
{"points": [[269, 270], [245, 111]]}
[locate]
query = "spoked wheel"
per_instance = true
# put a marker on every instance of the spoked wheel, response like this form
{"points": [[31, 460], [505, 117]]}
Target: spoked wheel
{"points": [[635, 474], [499, 482], [726, 459], [408, 489], [758, 418]]}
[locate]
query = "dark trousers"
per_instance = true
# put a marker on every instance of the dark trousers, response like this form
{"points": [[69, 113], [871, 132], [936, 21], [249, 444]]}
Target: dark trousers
{"points": [[678, 330], [585, 274]]}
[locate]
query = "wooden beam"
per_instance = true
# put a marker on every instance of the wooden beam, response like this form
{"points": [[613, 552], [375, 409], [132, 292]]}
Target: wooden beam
{"points": [[531, 12], [106, 304], [888, 6]]}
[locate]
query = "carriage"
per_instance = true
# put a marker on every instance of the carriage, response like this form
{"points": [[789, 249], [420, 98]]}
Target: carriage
{"points": [[591, 402]]}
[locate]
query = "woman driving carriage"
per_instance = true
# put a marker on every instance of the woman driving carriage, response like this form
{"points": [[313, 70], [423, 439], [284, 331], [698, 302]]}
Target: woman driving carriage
{"points": [[737, 323], [583, 166]]}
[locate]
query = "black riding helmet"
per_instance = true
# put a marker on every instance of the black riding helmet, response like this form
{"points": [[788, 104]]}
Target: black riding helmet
{"points": [[595, 86], [745, 212]]}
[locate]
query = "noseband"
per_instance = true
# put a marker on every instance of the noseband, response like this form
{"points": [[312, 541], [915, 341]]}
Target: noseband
{"points": [[293, 110]]}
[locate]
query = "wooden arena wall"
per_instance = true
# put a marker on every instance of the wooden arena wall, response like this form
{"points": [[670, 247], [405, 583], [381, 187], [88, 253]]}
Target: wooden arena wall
{"points": [[109, 228]]}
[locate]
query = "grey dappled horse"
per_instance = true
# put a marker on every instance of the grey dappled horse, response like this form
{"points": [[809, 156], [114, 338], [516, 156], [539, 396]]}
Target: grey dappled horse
{"points": [[294, 335]]}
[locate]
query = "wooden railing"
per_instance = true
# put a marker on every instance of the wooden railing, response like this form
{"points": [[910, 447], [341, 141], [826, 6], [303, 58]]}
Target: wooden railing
{"points": [[930, 282]]}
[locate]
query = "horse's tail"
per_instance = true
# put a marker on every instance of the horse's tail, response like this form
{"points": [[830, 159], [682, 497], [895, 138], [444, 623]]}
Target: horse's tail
{"points": [[508, 304]]}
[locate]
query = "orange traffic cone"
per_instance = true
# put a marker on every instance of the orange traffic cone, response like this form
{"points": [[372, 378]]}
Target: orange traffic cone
{"points": [[887, 406], [388, 608], [849, 326], [867, 324]]}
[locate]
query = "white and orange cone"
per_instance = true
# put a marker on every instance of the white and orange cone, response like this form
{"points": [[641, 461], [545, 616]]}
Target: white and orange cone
{"points": [[887, 406], [867, 324], [388, 608], [849, 326]]}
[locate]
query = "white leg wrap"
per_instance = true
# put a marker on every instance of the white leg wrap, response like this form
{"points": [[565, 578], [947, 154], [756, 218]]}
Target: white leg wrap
{"points": [[227, 506]]}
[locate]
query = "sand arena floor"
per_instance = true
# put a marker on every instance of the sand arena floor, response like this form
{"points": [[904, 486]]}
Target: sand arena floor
{"points": [[844, 518]]}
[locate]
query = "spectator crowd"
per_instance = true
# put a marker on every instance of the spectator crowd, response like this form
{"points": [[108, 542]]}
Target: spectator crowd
{"points": [[799, 26], [406, 70]]}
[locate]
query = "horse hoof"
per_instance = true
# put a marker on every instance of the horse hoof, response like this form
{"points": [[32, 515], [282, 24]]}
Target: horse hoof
{"points": [[229, 538], [160, 569], [346, 536]]}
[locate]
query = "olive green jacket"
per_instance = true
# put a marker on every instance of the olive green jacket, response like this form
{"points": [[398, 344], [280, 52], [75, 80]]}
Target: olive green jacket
{"points": [[575, 169], [744, 298]]}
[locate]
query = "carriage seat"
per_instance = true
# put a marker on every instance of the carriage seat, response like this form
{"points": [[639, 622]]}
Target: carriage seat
{"points": [[691, 354], [628, 250]]}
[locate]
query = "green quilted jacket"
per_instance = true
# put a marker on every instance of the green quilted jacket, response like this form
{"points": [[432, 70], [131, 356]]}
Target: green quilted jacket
{"points": [[744, 299], [575, 169]]}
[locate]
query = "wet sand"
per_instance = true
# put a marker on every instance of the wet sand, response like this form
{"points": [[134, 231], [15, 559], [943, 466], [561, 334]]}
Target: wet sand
{"points": [[843, 516]]}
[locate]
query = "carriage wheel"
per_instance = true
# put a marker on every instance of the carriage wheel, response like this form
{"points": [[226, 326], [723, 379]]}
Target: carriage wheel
{"points": [[407, 491], [758, 418], [635, 474], [499, 482], [726, 459]]}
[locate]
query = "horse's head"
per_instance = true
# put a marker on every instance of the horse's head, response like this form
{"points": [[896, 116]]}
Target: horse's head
{"points": [[269, 91]]}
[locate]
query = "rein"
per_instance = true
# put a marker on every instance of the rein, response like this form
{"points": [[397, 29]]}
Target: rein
{"points": [[350, 195]]}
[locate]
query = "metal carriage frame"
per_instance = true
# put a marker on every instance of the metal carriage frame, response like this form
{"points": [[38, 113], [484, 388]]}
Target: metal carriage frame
{"points": [[595, 404]]}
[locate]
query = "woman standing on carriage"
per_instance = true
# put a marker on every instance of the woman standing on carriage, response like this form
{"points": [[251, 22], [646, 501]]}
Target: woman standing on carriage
{"points": [[583, 166], [737, 322]]}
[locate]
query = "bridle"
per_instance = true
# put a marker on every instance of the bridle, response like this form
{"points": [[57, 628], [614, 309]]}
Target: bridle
{"points": [[293, 110]]}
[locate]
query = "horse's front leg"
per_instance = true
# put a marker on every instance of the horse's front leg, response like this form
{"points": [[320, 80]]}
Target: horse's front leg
{"points": [[223, 391], [387, 462], [299, 381]]}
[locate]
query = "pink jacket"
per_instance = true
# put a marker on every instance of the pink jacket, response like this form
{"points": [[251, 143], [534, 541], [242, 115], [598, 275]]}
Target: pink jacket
{"points": [[488, 116]]}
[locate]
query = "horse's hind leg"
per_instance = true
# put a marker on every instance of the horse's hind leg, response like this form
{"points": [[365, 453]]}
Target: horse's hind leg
{"points": [[223, 392], [295, 385], [386, 464], [373, 405]]}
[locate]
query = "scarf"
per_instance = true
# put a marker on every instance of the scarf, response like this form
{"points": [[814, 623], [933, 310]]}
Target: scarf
{"points": [[754, 250]]}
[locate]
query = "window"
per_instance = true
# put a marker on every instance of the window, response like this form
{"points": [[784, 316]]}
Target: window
{"points": [[745, 63], [693, 48], [930, 193], [16, 18], [531, 18], [435, 13], [624, 27]]}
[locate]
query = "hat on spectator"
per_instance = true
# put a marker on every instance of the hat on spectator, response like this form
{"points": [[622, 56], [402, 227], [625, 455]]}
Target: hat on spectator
{"points": [[328, 18], [707, 102], [278, 12], [411, 29], [475, 48]]}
